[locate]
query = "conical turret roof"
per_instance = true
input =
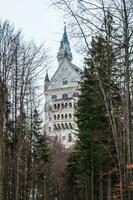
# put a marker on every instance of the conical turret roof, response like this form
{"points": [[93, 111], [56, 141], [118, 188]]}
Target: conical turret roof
{"points": [[46, 77], [64, 50]]}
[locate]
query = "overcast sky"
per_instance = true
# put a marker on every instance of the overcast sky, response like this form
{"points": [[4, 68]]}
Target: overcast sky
{"points": [[39, 22]]}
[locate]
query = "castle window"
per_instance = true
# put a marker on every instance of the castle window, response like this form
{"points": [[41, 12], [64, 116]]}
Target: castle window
{"points": [[69, 137], [70, 125], [66, 105], [63, 126], [55, 127], [62, 105], [65, 95], [66, 126], [65, 116], [70, 105], [54, 97], [62, 116], [70, 115], [59, 126], [65, 81]]}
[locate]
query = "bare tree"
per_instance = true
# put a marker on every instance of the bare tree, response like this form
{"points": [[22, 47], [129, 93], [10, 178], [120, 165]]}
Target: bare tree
{"points": [[89, 19], [20, 64]]}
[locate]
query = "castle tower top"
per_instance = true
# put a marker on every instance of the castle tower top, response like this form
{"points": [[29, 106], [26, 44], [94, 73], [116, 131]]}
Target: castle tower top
{"points": [[46, 77], [46, 81], [64, 50]]}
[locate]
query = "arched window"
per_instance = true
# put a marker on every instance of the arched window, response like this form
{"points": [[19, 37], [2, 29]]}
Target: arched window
{"points": [[70, 125], [58, 105], [54, 117], [69, 137], [66, 105], [70, 115], [66, 125], [65, 81], [62, 125], [62, 105], [58, 117], [62, 116], [55, 127], [70, 105], [58, 126], [65, 116], [54, 106]]}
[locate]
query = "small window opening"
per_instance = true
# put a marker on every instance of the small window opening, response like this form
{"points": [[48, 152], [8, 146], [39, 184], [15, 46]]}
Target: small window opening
{"points": [[66, 125], [63, 126], [70, 125], [62, 105], [70, 115], [70, 105], [59, 126], [69, 137], [62, 116], [55, 127], [65, 81], [58, 105], [54, 97], [65, 95]]}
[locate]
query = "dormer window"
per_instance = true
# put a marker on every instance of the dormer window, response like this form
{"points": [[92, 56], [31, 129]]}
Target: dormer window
{"points": [[65, 81], [65, 95], [54, 97]]}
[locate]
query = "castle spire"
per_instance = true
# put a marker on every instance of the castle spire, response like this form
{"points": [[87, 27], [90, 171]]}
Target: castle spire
{"points": [[64, 50], [46, 81], [46, 77]]}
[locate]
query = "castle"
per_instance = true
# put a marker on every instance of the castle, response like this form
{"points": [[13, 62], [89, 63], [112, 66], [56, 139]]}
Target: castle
{"points": [[61, 95]]}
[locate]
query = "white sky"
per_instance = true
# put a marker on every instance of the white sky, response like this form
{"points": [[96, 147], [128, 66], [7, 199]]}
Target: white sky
{"points": [[39, 22]]}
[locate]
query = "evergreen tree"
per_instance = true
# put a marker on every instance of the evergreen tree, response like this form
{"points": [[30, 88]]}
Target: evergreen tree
{"points": [[94, 147], [91, 115], [40, 150]]}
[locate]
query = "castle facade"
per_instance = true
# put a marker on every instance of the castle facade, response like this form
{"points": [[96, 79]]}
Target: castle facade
{"points": [[61, 95]]}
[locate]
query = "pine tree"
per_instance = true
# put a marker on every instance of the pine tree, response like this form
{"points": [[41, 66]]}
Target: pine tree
{"points": [[95, 147], [40, 145]]}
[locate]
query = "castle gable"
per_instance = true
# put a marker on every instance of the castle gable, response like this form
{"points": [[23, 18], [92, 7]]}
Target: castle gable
{"points": [[67, 75]]}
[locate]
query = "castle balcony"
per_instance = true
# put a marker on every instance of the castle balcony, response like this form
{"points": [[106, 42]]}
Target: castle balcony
{"points": [[67, 116], [63, 125], [63, 105]]}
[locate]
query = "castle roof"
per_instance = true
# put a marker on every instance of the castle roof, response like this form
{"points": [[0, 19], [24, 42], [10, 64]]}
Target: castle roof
{"points": [[64, 50], [46, 77]]}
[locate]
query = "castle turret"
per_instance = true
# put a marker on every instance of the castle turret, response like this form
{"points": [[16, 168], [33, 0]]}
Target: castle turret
{"points": [[64, 50], [46, 81]]}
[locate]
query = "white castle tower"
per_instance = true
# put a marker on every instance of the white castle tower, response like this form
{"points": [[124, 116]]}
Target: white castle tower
{"points": [[61, 95]]}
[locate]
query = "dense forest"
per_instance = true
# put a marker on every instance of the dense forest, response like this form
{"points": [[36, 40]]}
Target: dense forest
{"points": [[34, 166]]}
